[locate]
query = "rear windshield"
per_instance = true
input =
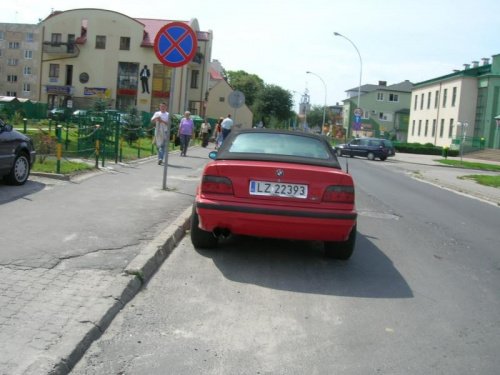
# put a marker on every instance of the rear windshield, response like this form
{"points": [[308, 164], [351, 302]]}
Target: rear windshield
{"points": [[279, 144]]}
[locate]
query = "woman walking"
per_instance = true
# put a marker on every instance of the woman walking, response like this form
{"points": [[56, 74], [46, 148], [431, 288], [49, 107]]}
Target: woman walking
{"points": [[185, 132], [205, 132]]}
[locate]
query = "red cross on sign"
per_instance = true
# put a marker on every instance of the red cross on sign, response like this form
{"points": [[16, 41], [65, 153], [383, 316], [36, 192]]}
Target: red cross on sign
{"points": [[175, 44]]}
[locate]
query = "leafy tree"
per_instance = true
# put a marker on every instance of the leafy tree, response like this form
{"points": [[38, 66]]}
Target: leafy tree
{"points": [[315, 116], [273, 102], [249, 84]]}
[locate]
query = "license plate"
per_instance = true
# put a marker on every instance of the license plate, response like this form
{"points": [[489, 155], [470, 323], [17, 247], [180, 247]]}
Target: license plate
{"points": [[278, 189]]}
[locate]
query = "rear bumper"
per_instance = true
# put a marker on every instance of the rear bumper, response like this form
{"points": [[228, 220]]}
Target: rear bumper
{"points": [[262, 221]]}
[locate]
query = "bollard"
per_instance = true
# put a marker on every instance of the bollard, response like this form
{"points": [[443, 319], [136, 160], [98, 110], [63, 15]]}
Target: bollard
{"points": [[97, 147], [59, 139], [25, 120], [445, 152]]}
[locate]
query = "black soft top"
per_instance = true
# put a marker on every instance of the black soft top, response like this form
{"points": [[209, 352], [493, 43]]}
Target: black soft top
{"points": [[297, 147]]}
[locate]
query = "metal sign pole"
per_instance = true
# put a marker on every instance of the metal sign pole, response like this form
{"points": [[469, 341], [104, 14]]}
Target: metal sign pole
{"points": [[169, 126]]}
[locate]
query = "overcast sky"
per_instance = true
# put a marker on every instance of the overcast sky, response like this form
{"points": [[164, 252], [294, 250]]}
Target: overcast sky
{"points": [[280, 40]]}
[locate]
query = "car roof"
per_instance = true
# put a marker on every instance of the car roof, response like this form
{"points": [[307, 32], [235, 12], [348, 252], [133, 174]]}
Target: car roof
{"points": [[225, 154]]}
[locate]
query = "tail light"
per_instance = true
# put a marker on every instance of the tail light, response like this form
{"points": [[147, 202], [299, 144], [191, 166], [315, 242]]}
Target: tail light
{"points": [[217, 185], [342, 193]]}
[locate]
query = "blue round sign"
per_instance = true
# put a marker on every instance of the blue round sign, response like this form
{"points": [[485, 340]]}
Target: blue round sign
{"points": [[175, 44]]}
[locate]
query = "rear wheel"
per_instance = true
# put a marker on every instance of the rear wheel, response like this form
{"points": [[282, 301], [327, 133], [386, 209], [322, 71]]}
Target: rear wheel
{"points": [[20, 170], [201, 238], [342, 250], [371, 156]]}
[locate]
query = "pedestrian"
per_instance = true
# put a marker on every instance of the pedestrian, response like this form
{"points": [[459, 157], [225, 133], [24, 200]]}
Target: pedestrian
{"points": [[145, 74], [185, 132], [227, 125], [205, 132], [161, 120]]}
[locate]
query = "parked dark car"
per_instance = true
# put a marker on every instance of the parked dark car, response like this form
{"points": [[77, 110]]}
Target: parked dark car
{"points": [[17, 155], [370, 148]]}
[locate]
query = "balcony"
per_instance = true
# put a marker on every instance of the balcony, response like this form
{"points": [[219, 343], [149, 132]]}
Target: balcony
{"points": [[60, 48]]}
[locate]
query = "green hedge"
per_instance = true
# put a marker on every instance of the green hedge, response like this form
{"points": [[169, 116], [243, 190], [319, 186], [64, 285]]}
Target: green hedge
{"points": [[416, 148]]}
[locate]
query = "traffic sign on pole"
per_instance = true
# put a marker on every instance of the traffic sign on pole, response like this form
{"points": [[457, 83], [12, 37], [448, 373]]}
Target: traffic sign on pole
{"points": [[175, 44]]}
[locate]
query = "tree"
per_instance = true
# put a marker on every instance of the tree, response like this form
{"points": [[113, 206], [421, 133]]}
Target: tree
{"points": [[249, 84], [315, 116], [131, 125], [273, 102]]}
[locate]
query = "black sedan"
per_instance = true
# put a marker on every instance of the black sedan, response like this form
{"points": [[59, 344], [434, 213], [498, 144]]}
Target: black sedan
{"points": [[17, 155], [370, 148]]}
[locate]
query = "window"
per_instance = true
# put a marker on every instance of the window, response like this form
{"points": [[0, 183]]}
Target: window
{"points": [[128, 77], [11, 78], [11, 93], [222, 99], [12, 62], [380, 96], [454, 97], [54, 70], [26, 87], [385, 116], [426, 128], [436, 99], [393, 97], [13, 45], [416, 100], [124, 43], [28, 54], [56, 38], [366, 114], [70, 48], [450, 130], [445, 96], [194, 78], [441, 129], [27, 70], [419, 127], [433, 128], [30, 37], [422, 102], [413, 128], [429, 100], [100, 42]]}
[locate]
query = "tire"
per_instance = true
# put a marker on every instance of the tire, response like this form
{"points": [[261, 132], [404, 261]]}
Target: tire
{"points": [[371, 156], [20, 170], [342, 250], [383, 158], [201, 238], [339, 152]]}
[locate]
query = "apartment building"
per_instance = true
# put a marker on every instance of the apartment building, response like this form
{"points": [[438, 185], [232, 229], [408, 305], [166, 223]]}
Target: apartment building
{"points": [[20, 60], [441, 104], [90, 53]]}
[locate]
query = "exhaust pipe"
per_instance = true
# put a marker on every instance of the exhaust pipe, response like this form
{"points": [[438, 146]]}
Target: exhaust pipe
{"points": [[221, 232]]}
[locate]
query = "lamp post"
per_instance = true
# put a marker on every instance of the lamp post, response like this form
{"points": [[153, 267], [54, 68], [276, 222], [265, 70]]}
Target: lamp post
{"points": [[324, 108], [464, 126], [360, 70], [296, 125]]}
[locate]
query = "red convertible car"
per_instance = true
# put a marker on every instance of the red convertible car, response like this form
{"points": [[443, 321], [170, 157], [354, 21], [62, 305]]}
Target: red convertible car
{"points": [[276, 184]]}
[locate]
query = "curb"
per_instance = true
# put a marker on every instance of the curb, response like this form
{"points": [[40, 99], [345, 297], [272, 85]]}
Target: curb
{"points": [[138, 272]]}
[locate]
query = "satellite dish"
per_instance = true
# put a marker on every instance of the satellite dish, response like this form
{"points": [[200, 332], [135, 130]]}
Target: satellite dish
{"points": [[236, 99]]}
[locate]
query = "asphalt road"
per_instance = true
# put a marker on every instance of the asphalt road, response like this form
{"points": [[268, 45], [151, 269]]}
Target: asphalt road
{"points": [[419, 296]]}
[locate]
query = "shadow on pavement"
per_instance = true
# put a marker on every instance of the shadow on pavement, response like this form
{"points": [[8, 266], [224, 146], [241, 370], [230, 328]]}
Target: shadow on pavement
{"points": [[300, 266], [10, 193]]}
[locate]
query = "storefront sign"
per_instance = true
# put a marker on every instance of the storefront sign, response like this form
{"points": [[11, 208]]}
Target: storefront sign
{"points": [[101, 92], [59, 90]]}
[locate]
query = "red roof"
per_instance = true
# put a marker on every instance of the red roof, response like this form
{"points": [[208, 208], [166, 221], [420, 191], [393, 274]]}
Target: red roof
{"points": [[215, 75], [151, 28]]}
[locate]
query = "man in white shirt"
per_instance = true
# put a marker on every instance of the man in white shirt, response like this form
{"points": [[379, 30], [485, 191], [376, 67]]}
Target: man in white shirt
{"points": [[227, 125], [161, 119]]}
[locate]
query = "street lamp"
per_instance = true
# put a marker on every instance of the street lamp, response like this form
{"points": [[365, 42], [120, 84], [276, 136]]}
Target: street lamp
{"points": [[296, 124], [324, 108], [360, 70], [464, 126]]}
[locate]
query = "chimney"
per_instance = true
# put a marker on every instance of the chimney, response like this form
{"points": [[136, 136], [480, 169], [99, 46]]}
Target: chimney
{"points": [[466, 66], [485, 60], [382, 83], [475, 64]]}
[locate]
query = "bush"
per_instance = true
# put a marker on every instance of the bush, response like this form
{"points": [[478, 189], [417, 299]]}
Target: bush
{"points": [[427, 149]]}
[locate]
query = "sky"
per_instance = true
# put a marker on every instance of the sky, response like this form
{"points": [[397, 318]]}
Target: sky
{"points": [[280, 40]]}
